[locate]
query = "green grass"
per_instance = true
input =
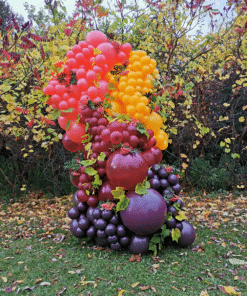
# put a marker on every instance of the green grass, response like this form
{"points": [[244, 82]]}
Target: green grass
{"points": [[84, 270], [64, 264]]}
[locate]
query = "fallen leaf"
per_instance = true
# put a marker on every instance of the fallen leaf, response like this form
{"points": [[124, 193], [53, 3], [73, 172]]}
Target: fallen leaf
{"points": [[135, 284], [157, 266], [175, 288], [143, 288], [61, 291], [120, 293], [198, 248], [231, 290], [237, 261], [118, 268], [45, 284], [204, 293], [135, 258], [28, 288], [153, 289], [71, 272], [4, 279], [37, 281]]}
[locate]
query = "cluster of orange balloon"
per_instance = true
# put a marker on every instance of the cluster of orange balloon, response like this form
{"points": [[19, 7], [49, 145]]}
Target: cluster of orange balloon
{"points": [[130, 90]]}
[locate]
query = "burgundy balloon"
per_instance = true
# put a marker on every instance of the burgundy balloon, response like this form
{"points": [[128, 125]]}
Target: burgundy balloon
{"points": [[145, 214], [188, 235], [139, 244], [105, 191]]}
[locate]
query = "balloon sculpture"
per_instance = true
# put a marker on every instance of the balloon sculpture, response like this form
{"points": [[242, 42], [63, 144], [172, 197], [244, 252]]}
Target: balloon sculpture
{"points": [[125, 199]]}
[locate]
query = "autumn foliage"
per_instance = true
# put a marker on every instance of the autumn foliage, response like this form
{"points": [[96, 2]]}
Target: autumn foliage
{"points": [[201, 84]]}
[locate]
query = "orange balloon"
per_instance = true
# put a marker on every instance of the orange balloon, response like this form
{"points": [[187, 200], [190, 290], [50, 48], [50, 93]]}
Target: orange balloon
{"points": [[155, 121]]}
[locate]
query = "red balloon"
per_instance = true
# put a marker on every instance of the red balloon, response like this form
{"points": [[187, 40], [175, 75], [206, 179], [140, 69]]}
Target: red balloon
{"points": [[72, 63], [60, 89], [70, 54], [62, 121], [95, 37], [98, 70], [121, 57], [91, 76], [76, 132], [86, 53], [81, 73], [82, 84], [109, 52], [82, 44], [93, 92], [68, 144], [103, 87], [70, 115], [63, 105], [80, 58], [49, 89], [76, 49], [72, 103], [126, 48], [100, 60], [55, 99]]}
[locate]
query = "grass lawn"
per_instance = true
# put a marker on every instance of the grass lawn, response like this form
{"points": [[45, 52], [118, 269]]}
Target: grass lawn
{"points": [[39, 256]]}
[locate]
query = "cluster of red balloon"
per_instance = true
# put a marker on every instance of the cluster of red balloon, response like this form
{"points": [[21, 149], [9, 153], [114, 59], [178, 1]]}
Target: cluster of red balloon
{"points": [[90, 61]]}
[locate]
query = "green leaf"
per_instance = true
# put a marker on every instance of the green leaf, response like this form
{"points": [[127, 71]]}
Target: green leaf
{"points": [[142, 188], [181, 216], [87, 162], [88, 146], [168, 216], [68, 125], [118, 192], [189, 86], [102, 156], [68, 110], [122, 204], [87, 126], [176, 206], [56, 113], [176, 234], [91, 105], [97, 182], [164, 233], [141, 127], [106, 105], [90, 171]]}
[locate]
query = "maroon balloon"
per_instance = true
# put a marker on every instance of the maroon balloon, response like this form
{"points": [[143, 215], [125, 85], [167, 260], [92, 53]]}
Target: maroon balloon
{"points": [[188, 235], [70, 145], [157, 153], [139, 244], [105, 192], [145, 214]]}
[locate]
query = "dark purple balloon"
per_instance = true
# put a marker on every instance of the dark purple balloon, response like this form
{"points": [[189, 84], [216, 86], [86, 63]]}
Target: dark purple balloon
{"points": [[164, 183], [101, 233], [188, 235], [121, 231], [114, 220], [179, 226], [176, 188], [173, 211], [102, 242], [162, 173], [110, 229], [100, 224], [124, 241], [155, 168], [139, 244], [81, 207], [112, 239], [75, 230], [155, 183], [83, 223], [91, 232], [116, 246], [181, 203], [172, 179], [73, 213], [106, 214], [96, 213], [171, 223], [150, 174], [90, 214], [145, 214]]}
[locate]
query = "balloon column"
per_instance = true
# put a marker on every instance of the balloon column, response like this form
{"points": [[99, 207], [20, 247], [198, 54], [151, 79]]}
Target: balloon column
{"points": [[125, 198]]}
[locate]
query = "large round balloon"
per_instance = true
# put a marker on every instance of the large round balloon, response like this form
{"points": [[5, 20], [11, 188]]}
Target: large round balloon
{"points": [[188, 235], [145, 214], [96, 37], [75, 230], [139, 244]]}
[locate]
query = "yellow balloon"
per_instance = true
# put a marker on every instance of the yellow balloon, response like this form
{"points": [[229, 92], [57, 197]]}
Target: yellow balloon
{"points": [[130, 90], [132, 82], [134, 58], [138, 116], [148, 83], [144, 100], [146, 70], [137, 66], [145, 60], [140, 53], [126, 99], [140, 82], [130, 109], [161, 139], [141, 108], [122, 86], [134, 100], [138, 88], [155, 121], [116, 107]]}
